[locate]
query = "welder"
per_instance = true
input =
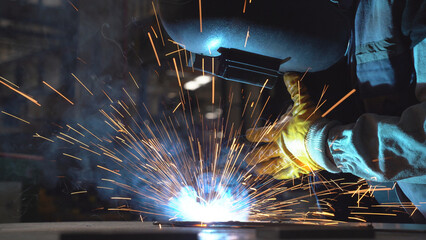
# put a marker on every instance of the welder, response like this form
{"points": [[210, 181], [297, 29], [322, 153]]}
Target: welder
{"points": [[385, 44]]}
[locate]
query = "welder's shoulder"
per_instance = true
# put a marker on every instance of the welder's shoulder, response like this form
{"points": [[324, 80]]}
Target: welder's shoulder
{"points": [[413, 21], [419, 56]]}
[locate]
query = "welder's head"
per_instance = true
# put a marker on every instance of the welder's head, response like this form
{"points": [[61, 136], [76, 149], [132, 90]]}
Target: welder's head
{"points": [[313, 33]]}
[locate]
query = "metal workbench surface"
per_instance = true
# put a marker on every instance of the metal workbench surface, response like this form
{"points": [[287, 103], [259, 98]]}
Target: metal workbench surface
{"points": [[147, 230]]}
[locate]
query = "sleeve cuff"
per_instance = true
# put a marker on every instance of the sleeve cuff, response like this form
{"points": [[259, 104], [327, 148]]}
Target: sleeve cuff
{"points": [[316, 143]]}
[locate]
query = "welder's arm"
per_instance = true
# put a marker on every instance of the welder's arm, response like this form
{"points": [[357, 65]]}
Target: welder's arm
{"points": [[379, 148]]}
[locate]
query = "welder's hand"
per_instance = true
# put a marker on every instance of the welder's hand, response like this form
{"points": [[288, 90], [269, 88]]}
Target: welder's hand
{"points": [[286, 156]]}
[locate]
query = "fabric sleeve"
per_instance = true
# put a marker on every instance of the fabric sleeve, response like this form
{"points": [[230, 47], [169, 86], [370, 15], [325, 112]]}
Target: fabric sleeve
{"points": [[419, 56], [378, 148], [413, 22], [375, 147]]}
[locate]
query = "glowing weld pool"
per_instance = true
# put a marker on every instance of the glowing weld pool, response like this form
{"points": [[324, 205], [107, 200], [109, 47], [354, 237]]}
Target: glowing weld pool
{"points": [[217, 204]]}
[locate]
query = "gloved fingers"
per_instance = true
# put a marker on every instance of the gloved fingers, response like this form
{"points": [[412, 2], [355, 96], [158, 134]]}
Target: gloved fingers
{"points": [[261, 134], [263, 153], [287, 116], [287, 173], [267, 133], [296, 88], [292, 82], [270, 167]]}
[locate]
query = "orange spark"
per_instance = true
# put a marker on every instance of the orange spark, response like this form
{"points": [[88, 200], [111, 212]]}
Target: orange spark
{"points": [[202, 65], [245, 106], [20, 119], [303, 76], [266, 103], [413, 212], [247, 36], [156, 36], [359, 219], [60, 94], [71, 156], [264, 84], [181, 95], [124, 209], [120, 198], [245, 4], [109, 170], [201, 16], [190, 57], [81, 60], [213, 81], [180, 61], [63, 139], [339, 102], [63, 134], [260, 94], [11, 83], [72, 5], [174, 42], [90, 150], [370, 213], [158, 23], [134, 79], [364, 190], [115, 109], [177, 107], [45, 138], [79, 192], [170, 53], [298, 89], [23, 94], [71, 128], [316, 109], [81, 83], [177, 72], [89, 132], [107, 96], [153, 47], [186, 57], [133, 102]]}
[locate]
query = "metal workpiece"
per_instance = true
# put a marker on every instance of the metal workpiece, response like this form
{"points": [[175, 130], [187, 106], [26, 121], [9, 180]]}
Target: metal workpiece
{"points": [[206, 231]]}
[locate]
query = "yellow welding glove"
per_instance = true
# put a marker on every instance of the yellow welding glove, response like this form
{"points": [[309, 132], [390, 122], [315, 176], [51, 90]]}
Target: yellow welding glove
{"points": [[286, 155]]}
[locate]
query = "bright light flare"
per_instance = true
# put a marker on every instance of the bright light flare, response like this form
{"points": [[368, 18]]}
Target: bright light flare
{"points": [[225, 206], [191, 86], [213, 44], [203, 79]]}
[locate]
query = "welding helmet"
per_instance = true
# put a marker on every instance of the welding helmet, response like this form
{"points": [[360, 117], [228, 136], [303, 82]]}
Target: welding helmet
{"points": [[299, 34]]}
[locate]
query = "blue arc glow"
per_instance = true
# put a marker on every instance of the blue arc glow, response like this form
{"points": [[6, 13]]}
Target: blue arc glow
{"points": [[223, 206], [213, 44]]}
